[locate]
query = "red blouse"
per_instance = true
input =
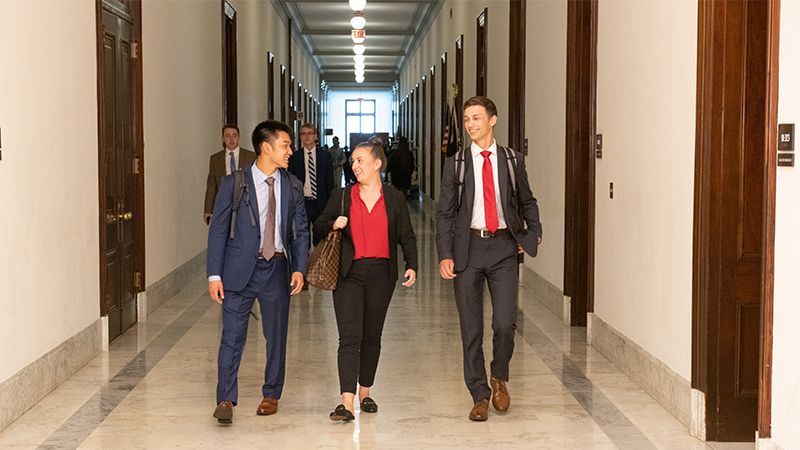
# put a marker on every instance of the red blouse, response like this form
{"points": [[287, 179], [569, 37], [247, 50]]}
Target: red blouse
{"points": [[370, 230]]}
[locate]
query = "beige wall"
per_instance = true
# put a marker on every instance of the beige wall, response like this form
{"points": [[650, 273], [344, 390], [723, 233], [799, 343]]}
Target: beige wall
{"points": [[262, 29], [181, 60], [440, 38], [786, 366], [183, 110], [646, 56], [49, 248], [545, 128]]}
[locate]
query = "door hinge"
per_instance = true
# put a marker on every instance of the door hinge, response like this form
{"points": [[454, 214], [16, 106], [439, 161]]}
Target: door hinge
{"points": [[137, 280], [134, 50], [136, 166]]}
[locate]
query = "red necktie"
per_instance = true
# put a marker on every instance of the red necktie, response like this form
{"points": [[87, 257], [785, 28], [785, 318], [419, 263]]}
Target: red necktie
{"points": [[489, 204]]}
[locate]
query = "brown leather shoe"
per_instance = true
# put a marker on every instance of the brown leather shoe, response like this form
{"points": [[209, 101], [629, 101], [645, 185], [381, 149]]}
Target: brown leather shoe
{"points": [[224, 412], [268, 407], [500, 398], [480, 411]]}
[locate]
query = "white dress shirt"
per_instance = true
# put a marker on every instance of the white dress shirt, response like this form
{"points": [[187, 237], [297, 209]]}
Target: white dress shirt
{"points": [[262, 193], [478, 214], [313, 155], [228, 159]]}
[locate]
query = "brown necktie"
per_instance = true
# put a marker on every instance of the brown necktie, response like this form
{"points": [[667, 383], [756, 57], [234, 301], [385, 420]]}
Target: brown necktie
{"points": [[268, 251]]}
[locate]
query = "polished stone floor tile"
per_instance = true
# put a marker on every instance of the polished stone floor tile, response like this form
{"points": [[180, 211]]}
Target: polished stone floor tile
{"points": [[155, 387]]}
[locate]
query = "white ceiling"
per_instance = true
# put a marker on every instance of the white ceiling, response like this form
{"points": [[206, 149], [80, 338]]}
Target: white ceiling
{"points": [[393, 28]]}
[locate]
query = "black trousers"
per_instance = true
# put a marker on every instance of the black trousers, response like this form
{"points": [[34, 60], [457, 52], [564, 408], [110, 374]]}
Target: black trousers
{"points": [[492, 261], [361, 300]]}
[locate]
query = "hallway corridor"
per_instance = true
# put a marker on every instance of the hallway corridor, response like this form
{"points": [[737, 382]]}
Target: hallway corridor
{"points": [[154, 388]]}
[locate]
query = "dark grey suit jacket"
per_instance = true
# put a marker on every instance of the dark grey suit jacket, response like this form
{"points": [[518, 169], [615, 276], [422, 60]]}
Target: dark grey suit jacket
{"points": [[216, 171], [453, 224]]}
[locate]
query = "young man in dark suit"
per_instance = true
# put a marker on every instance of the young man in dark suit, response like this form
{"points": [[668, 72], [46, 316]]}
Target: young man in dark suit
{"points": [[261, 252], [480, 230], [313, 166], [225, 162]]}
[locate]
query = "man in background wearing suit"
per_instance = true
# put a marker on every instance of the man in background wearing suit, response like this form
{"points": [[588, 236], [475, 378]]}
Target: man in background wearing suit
{"points": [[261, 252], [478, 238], [314, 168], [225, 162]]}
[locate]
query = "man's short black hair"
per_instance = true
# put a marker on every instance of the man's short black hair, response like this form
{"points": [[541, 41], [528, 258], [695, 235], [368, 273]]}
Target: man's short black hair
{"points": [[232, 126], [268, 131]]}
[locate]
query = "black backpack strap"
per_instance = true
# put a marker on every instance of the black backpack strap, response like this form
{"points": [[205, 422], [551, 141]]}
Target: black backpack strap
{"points": [[511, 160], [239, 190], [459, 166]]}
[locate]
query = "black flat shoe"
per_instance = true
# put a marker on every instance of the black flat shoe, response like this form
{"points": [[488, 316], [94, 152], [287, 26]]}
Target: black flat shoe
{"points": [[342, 414], [368, 405]]}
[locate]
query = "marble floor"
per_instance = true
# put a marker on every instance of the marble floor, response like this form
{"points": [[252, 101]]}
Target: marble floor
{"points": [[155, 386]]}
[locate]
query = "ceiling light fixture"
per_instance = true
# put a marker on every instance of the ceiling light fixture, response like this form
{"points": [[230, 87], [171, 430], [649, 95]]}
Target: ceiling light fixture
{"points": [[360, 79], [358, 22], [359, 58], [358, 5], [359, 49], [359, 66]]}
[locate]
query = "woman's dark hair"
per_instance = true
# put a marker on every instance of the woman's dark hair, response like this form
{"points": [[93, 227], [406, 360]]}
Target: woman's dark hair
{"points": [[375, 150], [268, 131]]}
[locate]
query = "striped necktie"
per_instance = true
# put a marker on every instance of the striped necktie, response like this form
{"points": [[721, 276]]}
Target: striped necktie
{"points": [[312, 174]]}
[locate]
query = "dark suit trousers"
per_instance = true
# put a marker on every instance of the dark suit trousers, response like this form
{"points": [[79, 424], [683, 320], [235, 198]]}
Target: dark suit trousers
{"points": [[361, 301], [492, 260], [314, 208], [268, 283]]}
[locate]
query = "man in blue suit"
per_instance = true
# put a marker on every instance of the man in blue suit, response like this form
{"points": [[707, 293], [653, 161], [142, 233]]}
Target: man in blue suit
{"points": [[261, 251]]}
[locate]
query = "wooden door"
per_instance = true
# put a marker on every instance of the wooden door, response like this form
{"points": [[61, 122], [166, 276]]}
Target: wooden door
{"points": [[421, 137], [443, 102], [734, 189], [432, 134], [460, 86], [119, 167], [516, 77], [229, 84], [481, 53], [283, 93], [270, 85]]}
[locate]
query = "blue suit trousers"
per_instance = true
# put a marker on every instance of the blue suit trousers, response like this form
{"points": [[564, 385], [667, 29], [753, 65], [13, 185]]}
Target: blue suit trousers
{"points": [[268, 283]]}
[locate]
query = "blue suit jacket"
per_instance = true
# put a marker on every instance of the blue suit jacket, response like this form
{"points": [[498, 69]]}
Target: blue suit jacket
{"points": [[234, 259]]}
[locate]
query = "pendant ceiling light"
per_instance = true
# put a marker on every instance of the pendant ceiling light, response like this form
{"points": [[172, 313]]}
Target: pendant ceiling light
{"points": [[358, 5], [359, 58], [358, 22], [359, 49], [360, 79]]}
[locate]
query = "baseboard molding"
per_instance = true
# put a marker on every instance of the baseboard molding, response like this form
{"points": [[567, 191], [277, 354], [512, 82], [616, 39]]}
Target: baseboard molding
{"points": [[162, 290], [33, 382], [667, 387], [546, 293], [767, 444]]}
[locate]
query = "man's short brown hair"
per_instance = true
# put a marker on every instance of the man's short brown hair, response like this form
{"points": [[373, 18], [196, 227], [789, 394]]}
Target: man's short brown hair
{"points": [[231, 126], [486, 102], [309, 126]]}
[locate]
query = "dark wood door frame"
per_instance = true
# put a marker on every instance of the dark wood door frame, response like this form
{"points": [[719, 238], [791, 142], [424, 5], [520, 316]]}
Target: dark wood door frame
{"points": [[717, 25], [516, 76], [137, 130], [580, 158]]}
